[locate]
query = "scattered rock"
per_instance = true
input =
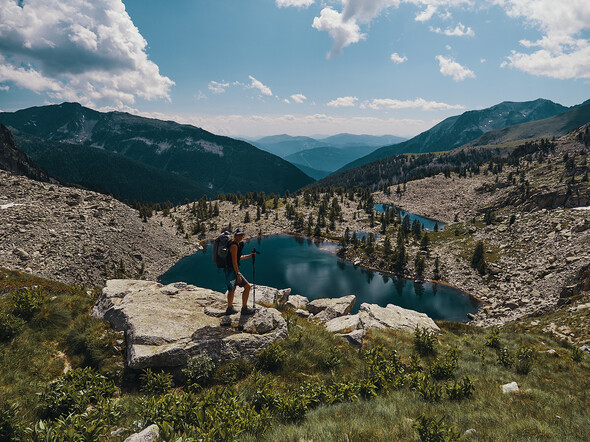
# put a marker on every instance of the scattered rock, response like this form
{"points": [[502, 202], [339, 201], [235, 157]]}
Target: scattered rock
{"points": [[21, 254], [511, 387], [267, 295], [325, 309], [151, 433], [297, 302], [166, 325]]}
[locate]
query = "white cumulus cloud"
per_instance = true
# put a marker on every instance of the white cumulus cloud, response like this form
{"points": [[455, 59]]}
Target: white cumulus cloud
{"points": [[451, 68], [217, 88], [426, 14], [77, 50], [343, 32], [298, 98], [418, 103], [397, 59], [344, 27], [562, 52], [459, 31], [296, 3], [343, 102], [255, 84]]}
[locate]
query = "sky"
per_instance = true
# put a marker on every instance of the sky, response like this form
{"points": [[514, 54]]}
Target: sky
{"points": [[253, 68]]}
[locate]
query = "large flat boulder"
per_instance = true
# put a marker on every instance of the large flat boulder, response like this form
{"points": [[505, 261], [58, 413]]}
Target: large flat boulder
{"points": [[166, 325], [394, 317]]}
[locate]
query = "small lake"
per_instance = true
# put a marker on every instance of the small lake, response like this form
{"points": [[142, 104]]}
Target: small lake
{"points": [[427, 223], [313, 270]]}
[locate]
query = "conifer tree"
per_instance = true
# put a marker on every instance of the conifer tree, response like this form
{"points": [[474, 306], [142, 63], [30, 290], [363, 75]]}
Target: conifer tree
{"points": [[478, 258]]}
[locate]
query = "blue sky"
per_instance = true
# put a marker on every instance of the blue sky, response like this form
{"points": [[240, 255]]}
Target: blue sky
{"points": [[261, 67]]}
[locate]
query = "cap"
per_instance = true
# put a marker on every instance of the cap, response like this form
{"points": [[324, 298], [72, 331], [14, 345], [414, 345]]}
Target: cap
{"points": [[239, 231]]}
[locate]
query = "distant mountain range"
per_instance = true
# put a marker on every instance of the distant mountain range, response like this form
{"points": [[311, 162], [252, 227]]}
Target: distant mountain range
{"points": [[461, 129], [555, 126], [86, 143], [318, 157], [395, 168]]}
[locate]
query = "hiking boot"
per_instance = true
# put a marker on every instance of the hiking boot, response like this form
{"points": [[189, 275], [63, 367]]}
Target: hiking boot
{"points": [[230, 311], [247, 311]]}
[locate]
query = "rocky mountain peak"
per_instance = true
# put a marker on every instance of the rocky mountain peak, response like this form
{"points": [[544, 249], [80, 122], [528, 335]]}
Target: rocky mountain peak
{"points": [[14, 160]]}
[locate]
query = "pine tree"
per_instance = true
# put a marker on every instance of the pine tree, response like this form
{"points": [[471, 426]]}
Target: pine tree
{"points": [[478, 258], [247, 217]]}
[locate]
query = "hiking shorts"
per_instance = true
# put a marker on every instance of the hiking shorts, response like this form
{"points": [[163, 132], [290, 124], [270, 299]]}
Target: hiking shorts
{"points": [[231, 278]]}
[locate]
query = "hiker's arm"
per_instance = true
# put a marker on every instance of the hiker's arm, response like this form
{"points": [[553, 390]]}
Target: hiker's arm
{"points": [[246, 256], [233, 250]]}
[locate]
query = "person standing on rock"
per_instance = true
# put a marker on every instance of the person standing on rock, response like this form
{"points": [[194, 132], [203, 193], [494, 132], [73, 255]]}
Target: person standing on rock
{"points": [[233, 277]]}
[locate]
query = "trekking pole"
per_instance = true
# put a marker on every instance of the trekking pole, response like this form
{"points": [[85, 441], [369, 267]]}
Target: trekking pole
{"points": [[254, 253]]}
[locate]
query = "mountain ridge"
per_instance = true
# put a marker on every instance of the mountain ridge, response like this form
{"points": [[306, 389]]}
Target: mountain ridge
{"points": [[460, 129], [218, 164]]}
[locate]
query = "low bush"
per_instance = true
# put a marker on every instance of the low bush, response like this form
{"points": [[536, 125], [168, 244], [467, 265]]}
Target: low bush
{"points": [[524, 360], [228, 373], [430, 429], [444, 368], [8, 423], [74, 392], [10, 325], [199, 370], [425, 341], [493, 339], [577, 354], [154, 384], [504, 358], [457, 390], [27, 301], [271, 358]]}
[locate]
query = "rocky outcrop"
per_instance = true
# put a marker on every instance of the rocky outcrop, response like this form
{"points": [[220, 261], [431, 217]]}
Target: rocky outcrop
{"points": [[166, 325], [371, 316], [325, 309]]}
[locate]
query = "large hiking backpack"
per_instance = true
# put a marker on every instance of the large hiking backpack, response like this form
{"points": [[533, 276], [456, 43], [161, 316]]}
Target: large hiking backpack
{"points": [[221, 249]]}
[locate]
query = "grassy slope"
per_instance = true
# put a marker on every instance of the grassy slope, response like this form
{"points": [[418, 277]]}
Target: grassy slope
{"points": [[551, 405]]}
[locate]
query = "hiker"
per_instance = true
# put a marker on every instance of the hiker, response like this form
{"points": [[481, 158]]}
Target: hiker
{"points": [[233, 277]]}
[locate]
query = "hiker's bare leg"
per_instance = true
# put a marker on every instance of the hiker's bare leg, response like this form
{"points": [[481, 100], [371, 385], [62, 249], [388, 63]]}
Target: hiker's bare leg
{"points": [[230, 298], [246, 294]]}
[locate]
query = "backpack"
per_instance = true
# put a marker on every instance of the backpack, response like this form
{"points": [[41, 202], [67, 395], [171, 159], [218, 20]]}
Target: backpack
{"points": [[221, 249]]}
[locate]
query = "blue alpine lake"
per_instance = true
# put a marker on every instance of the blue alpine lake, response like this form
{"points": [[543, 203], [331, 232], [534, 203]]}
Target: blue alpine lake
{"points": [[427, 223], [312, 269]]}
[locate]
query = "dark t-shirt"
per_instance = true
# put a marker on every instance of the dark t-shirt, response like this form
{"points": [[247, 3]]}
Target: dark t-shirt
{"points": [[229, 258]]}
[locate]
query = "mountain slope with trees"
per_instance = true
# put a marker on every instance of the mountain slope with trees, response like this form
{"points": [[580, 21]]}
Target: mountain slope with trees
{"points": [[214, 163], [459, 130]]}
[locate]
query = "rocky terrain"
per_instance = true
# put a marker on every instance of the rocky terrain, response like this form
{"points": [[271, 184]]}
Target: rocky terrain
{"points": [[78, 237]]}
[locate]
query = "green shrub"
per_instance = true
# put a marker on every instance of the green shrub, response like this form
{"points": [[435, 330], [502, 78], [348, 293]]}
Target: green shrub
{"points": [[154, 384], [52, 315], [577, 354], [383, 369], [493, 339], [504, 358], [271, 358], [219, 414], [414, 365], [430, 429], [91, 425], [457, 390], [230, 372], [74, 392], [347, 391], [331, 359], [27, 301], [199, 370], [8, 423], [443, 368], [10, 325], [429, 391], [524, 360], [424, 341]]}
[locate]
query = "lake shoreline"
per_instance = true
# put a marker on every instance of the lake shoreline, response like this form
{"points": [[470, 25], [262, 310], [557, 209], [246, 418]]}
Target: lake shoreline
{"points": [[382, 272]]}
